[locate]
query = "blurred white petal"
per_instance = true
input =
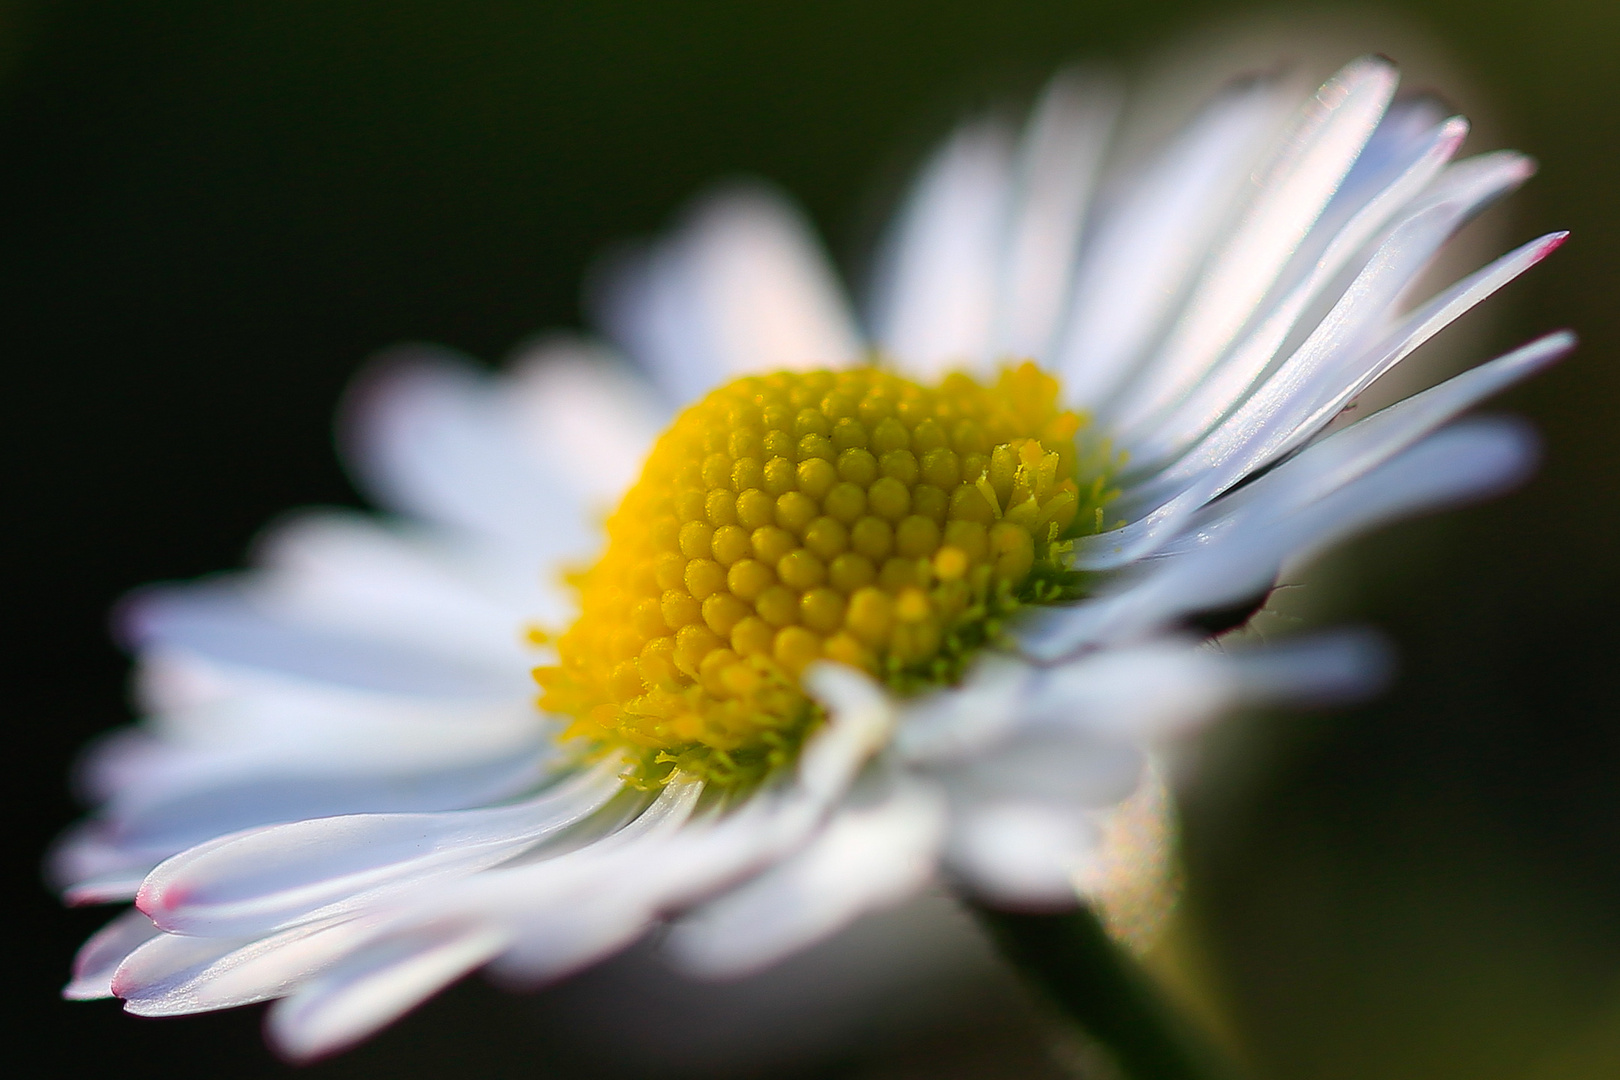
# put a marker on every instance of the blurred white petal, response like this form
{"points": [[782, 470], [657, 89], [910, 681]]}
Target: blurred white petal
{"points": [[864, 858], [100, 956], [935, 294], [1059, 156], [743, 286]]}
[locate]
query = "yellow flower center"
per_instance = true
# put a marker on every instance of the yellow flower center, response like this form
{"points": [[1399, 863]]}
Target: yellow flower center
{"points": [[851, 515]]}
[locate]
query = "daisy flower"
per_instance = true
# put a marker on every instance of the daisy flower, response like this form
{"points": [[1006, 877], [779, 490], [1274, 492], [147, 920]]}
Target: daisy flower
{"points": [[883, 601]]}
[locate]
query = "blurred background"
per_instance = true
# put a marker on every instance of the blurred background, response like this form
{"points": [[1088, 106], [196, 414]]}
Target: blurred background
{"points": [[214, 212]]}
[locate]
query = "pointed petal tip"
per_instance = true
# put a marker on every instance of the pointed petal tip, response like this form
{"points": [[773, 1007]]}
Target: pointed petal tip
{"points": [[1551, 243]]}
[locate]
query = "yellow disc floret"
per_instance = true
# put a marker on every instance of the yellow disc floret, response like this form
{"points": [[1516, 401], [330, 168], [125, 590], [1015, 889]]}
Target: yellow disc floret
{"points": [[852, 515]]}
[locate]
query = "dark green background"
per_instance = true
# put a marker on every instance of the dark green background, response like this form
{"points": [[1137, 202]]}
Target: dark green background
{"points": [[214, 211]]}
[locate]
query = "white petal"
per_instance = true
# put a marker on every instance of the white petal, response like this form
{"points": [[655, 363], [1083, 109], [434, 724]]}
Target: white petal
{"points": [[223, 622], [860, 717], [957, 721], [584, 414], [1051, 765], [1129, 693], [347, 978], [934, 300], [1334, 461], [565, 938], [1044, 854], [174, 975], [100, 956], [1291, 196], [207, 708], [863, 859], [106, 887], [1058, 160], [1469, 460], [1023, 852], [1331, 388], [559, 912], [1324, 373], [351, 574], [429, 436], [1321, 669], [568, 910], [108, 858], [259, 881], [1143, 249], [1238, 371], [1291, 406], [1403, 131], [742, 287], [375, 987]]}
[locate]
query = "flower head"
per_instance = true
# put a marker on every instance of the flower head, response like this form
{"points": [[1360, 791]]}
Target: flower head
{"points": [[855, 516], [874, 608]]}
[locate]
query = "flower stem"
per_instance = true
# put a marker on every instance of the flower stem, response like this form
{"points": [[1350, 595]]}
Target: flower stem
{"points": [[1071, 957]]}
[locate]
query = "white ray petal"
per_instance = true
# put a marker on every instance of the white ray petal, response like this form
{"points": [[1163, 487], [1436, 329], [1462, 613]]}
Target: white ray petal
{"points": [[585, 414], [1053, 762], [1406, 126], [861, 717], [1289, 199], [107, 858], [742, 286], [350, 573], [1210, 400], [1058, 160], [562, 912], [108, 886], [935, 291], [1321, 669], [959, 720], [100, 956], [222, 621], [1299, 403], [375, 987], [261, 880], [1291, 406], [865, 858], [1139, 692], [572, 909], [1144, 247], [174, 975], [1500, 169], [201, 707], [1024, 852], [256, 793], [429, 436], [1469, 460], [529, 889], [1334, 461]]}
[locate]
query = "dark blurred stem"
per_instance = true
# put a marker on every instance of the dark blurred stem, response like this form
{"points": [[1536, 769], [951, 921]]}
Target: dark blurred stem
{"points": [[1071, 957]]}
